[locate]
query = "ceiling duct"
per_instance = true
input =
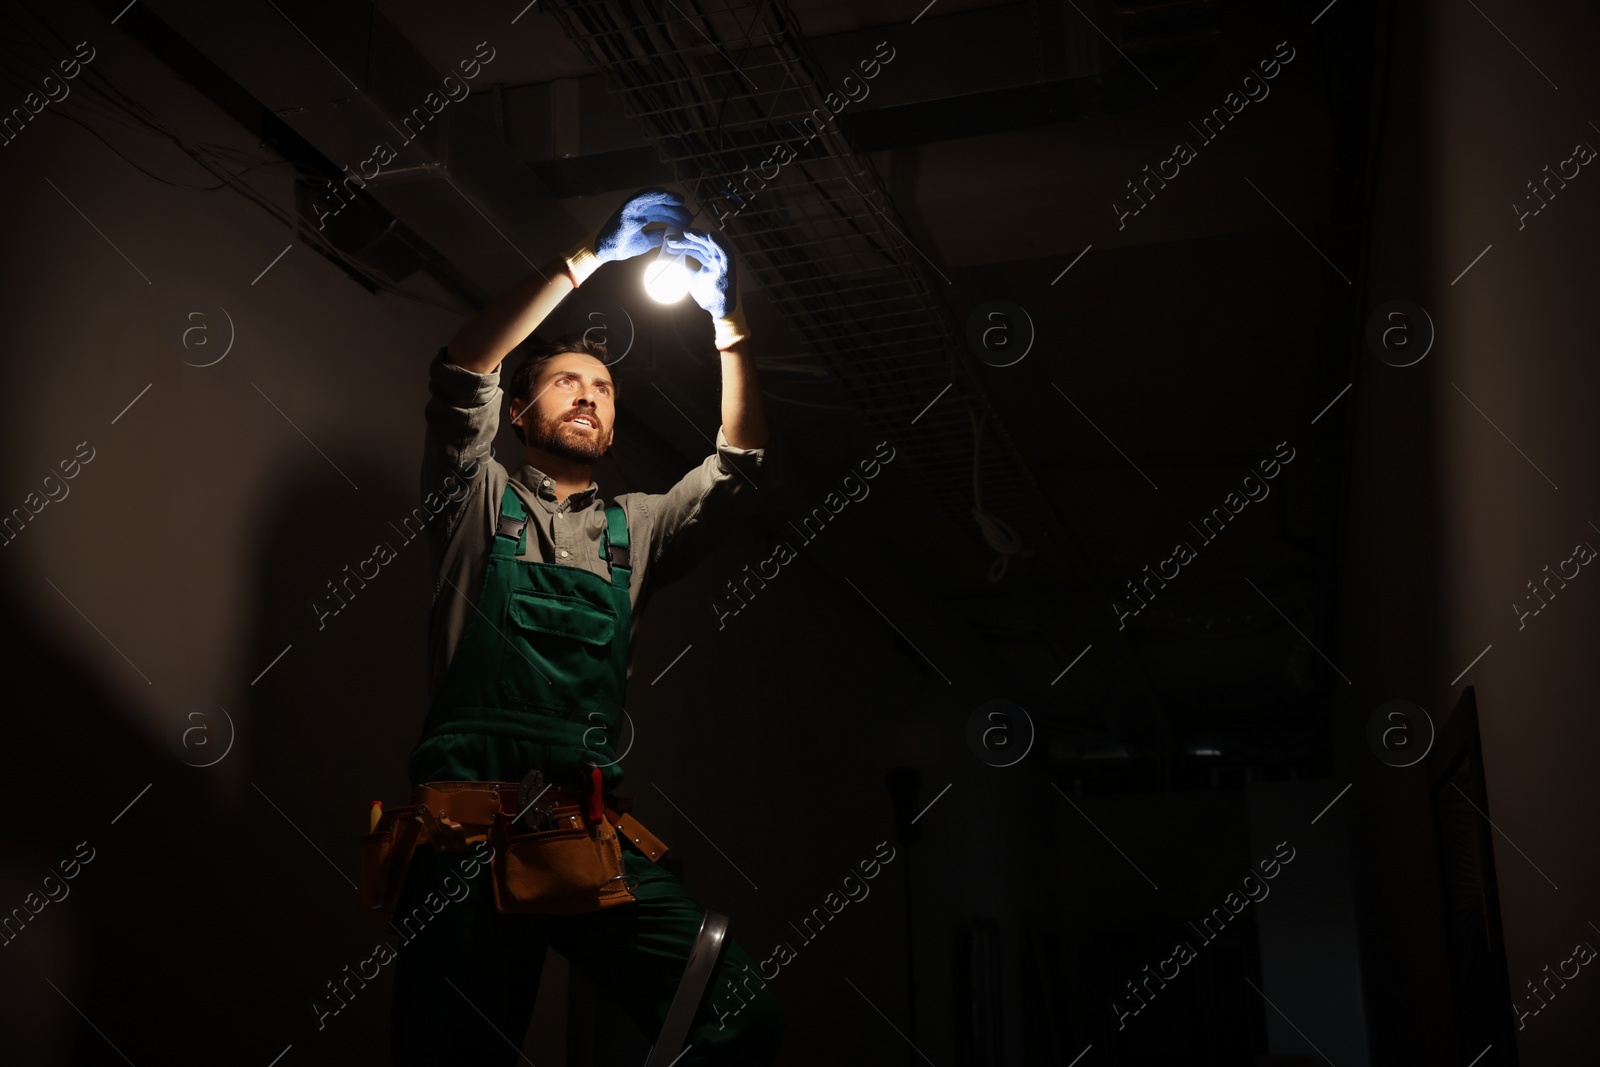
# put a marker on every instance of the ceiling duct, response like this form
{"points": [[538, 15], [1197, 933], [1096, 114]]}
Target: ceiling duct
{"points": [[345, 81], [725, 92]]}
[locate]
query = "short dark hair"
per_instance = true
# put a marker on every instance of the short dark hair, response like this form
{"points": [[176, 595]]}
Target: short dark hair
{"points": [[527, 372]]}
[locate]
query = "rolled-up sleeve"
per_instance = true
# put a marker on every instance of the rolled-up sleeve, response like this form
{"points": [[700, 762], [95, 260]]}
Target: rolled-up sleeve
{"points": [[463, 415], [686, 517], [461, 486]]}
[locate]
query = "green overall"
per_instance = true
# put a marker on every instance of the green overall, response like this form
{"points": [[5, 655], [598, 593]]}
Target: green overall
{"points": [[539, 677], [538, 681]]}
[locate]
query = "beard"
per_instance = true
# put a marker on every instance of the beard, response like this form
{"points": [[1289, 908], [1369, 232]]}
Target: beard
{"points": [[575, 443]]}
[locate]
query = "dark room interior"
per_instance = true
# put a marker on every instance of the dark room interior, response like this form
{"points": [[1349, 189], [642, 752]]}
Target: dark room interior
{"points": [[1088, 472]]}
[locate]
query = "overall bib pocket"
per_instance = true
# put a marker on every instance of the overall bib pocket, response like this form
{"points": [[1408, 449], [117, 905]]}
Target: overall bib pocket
{"points": [[555, 643]]}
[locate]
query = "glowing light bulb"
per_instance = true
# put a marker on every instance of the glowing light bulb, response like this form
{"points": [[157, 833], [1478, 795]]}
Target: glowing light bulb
{"points": [[666, 280]]}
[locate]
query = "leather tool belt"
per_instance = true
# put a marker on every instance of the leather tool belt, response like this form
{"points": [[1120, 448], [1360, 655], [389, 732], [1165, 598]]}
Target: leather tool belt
{"points": [[571, 866]]}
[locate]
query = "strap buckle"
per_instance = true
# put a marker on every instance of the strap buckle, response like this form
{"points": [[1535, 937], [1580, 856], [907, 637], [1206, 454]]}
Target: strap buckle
{"points": [[617, 556], [512, 528]]}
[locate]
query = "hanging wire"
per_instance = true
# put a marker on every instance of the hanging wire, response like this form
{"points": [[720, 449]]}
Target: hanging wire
{"points": [[997, 533], [128, 111]]}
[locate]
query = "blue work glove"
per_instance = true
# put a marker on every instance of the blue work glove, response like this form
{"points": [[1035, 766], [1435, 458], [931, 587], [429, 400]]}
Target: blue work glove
{"points": [[622, 236], [713, 286]]}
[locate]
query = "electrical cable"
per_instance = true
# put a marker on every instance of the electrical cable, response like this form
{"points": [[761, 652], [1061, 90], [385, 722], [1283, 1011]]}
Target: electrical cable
{"points": [[997, 533], [204, 155]]}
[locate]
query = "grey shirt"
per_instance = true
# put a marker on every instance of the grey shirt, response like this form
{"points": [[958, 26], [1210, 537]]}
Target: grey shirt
{"points": [[462, 484]]}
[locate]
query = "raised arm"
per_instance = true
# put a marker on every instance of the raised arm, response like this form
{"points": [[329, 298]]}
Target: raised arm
{"points": [[744, 419], [484, 340], [690, 516], [715, 288]]}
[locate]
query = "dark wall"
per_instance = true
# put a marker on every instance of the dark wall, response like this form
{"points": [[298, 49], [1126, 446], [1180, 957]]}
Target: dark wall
{"points": [[1451, 515]]}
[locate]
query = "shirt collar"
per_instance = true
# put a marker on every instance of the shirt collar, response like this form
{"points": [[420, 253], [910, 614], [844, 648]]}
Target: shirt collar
{"points": [[544, 486]]}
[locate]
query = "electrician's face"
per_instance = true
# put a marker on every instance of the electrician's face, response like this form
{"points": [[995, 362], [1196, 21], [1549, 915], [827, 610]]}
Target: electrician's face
{"points": [[572, 389]]}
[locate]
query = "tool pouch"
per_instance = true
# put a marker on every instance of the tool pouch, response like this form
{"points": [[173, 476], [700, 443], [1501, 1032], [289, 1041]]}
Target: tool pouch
{"points": [[568, 870], [385, 858]]}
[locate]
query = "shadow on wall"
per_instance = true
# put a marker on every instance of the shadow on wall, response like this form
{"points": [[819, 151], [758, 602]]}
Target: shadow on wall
{"points": [[196, 918]]}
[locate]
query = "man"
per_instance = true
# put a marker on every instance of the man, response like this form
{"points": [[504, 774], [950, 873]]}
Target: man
{"points": [[529, 638]]}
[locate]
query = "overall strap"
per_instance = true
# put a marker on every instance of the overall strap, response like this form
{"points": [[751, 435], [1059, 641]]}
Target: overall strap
{"points": [[614, 547], [510, 538], [614, 550]]}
